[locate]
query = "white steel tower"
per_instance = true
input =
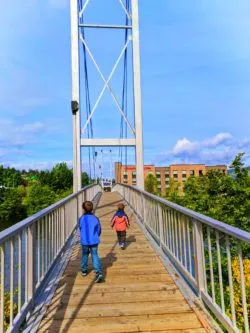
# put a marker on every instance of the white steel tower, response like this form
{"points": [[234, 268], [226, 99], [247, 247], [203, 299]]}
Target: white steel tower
{"points": [[78, 11]]}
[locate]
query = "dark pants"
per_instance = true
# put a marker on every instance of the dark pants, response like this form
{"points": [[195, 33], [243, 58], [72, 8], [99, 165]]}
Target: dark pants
{"points": [[121, 235]]}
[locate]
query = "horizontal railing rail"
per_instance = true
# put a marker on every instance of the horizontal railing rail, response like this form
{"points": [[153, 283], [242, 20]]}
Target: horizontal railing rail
{"points": [[29, 249], [211, 256]]}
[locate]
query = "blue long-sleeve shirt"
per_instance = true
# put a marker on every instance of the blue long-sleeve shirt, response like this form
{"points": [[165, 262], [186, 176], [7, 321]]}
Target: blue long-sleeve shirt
{"points": [[90, 229]]}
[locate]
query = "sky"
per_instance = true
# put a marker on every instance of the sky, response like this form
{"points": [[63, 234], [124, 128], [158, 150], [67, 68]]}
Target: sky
{"points": [[195, 75]]}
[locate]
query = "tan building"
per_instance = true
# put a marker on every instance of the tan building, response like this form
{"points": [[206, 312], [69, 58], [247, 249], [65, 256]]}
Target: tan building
{"points": [[178, 172]]}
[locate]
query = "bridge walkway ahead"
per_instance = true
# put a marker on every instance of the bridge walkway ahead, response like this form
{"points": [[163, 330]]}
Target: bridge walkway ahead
{"points": [[138, 296]]}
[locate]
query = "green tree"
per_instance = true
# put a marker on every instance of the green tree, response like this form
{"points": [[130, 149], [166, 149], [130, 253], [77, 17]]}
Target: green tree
{"points": [[11, 209], [221, 196], [45, 177], [10, 177], [39, 197], [61, 177], [173, 193], [151, 183], [85, 179]]}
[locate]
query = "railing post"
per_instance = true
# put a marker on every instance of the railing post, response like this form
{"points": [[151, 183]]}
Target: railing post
{"points": [[63, 231], [160, 221], [31, 240], [198, 256], [143, 208]]}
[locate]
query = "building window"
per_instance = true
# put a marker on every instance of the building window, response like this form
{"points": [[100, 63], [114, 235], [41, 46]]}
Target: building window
{"points": [[125, 182], [191, 172], [184, 174], [175, 174], [200, 173], [159, 186], [134, 174], [158, 174], [125, 175], [167, 185]]}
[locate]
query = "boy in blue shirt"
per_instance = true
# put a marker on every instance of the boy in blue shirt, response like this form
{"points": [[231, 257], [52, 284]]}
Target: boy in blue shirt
{"points": [[90, 231]]}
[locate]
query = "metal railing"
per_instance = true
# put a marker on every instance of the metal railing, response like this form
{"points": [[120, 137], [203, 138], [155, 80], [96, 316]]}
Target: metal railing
{"points": [[28, 251], [211, 256]]}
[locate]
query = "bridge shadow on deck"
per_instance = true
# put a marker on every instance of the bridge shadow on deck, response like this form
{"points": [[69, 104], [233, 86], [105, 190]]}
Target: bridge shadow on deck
{"points": [[67, 286]]}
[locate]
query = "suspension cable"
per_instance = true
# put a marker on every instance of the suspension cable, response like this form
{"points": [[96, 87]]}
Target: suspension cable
{"points": [[90, 131], [123, 131]]}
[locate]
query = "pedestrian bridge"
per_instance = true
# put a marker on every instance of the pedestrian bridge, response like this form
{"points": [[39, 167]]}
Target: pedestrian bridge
{"points": [[174, 276]]}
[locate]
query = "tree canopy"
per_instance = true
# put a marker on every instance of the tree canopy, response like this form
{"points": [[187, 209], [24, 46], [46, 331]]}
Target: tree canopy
{"points": [[151, 184], [220, 196], [23, 193]]}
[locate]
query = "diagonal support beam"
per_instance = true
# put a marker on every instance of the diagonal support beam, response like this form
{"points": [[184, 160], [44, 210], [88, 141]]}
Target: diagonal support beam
{"points": [[83, 8], [106, 85], [125, 9]]}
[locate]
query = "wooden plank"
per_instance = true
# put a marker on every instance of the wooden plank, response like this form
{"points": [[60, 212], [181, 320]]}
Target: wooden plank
{"points": [[76, 311], [138, 295], [193, 330], [78, 279], [173, 297], [104, 288], [123, 324]]}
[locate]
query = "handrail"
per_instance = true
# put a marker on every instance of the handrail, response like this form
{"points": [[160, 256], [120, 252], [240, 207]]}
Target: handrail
{"points": [[29, 250], [14, 229], [221, 226], [208, 254]]}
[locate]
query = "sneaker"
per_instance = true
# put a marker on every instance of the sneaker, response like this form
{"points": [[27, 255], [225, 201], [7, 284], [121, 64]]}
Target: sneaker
{"points": [[122, 246], [99, 278], [84, 273]]}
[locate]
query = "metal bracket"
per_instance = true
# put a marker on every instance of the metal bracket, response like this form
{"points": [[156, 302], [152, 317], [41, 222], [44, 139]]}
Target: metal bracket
{"points": [[74, 107]]}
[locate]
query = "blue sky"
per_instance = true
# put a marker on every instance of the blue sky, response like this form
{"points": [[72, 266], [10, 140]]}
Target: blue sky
{"points": [[195, 66]]}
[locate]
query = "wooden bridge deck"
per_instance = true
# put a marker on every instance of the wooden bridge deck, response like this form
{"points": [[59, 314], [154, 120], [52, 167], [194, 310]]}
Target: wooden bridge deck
{"points": [[138, 296]]}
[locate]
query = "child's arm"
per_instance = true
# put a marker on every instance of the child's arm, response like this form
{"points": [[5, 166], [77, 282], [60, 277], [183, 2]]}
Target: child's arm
{"points": [[79, 223], [99, 227], [127, 220], [112, 223]]}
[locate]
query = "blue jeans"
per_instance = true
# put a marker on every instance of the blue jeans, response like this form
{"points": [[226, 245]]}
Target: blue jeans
{"points": [[93, 249]]}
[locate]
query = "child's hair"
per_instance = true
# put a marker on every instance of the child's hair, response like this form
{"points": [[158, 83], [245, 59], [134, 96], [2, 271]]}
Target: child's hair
{"points": [[87, 206], [120, 206]]}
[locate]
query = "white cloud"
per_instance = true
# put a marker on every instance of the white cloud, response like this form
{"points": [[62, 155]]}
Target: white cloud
{"points": [[185, 145], [220, 149], [217, 140]]}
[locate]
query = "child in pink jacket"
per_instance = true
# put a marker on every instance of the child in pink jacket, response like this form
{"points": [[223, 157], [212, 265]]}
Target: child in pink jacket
{"points": [[120, 223]]}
